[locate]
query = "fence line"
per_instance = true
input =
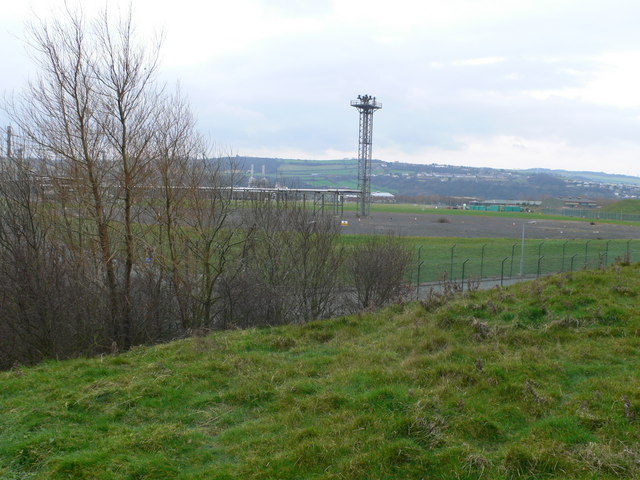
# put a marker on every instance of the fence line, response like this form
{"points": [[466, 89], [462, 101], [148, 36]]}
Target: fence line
{"points": [[505, 263], [592, 214]]}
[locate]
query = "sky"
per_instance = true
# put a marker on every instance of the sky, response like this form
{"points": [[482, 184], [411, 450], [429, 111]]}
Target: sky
{"points": [[487, 83]]}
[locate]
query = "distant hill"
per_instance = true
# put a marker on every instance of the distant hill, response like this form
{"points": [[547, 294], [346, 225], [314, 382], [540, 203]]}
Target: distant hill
{"points": [[591, 176], [416, 180]]}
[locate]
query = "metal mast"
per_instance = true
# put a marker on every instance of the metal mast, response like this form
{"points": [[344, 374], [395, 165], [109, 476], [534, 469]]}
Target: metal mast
{"points": [[366, 105]]}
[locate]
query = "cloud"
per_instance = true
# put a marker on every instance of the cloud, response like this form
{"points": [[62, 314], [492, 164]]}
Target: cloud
{"points": [[614, 84], [511, 152], [478, 61]]}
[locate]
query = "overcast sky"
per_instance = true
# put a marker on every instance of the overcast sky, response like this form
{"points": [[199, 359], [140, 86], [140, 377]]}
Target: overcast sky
{"points": [[498, 83]]}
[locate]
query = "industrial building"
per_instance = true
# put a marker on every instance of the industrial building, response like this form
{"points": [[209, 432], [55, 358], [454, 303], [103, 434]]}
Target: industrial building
{"points": [[503, 205]]}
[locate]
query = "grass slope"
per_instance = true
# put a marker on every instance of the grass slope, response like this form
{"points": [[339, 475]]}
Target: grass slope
{"points": [[536, 381]]}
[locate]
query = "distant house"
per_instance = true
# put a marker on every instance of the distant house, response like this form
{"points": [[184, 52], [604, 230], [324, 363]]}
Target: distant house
{"points": [[383, 197], [503, 205], [579, 202]]}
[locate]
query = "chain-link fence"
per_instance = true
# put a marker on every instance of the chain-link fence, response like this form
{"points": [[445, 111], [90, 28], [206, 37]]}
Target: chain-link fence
{"points": [[501, 263], [593, 214]]}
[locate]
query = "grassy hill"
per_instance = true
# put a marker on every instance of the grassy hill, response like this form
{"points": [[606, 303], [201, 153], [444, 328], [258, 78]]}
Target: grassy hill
{"points": [[629, 206], [536, 381], [443, 180]]}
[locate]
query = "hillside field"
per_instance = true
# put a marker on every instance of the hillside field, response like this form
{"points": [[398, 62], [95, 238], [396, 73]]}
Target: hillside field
{"points": [[629, 206], [537, 381]]}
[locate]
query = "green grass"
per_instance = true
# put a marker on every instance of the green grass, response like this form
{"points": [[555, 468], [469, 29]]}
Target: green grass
{"points": [[329, 183], [537, 381]]}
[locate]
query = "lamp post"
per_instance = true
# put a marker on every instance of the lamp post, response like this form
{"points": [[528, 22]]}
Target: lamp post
{"points": [[522, 251]]}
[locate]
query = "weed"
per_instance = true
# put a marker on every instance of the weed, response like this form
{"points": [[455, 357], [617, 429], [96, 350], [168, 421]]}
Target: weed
{"points": [[629, 411], [530, 390], [427, 431], [475, 465], [619, 460], [481, 330]]}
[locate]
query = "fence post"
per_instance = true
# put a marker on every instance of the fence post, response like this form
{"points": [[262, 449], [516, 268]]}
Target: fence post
{"points": [[540, 248], [586, 253], [482, 260], [572, 259], [502, 270], [564, 249], [451, 267], [418, 282], [628, 259], [463, 265], [538, 271], [513, 248], [606, 254]]}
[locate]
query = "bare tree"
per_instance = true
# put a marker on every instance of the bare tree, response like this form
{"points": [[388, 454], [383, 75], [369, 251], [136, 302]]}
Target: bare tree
{"points": [[129, 99], [94, 111], [61, 113], [176, 143], [120, 229]]}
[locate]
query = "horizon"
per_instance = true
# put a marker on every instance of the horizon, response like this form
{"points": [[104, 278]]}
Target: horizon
{"points": [[483, 84], [355, 159]]}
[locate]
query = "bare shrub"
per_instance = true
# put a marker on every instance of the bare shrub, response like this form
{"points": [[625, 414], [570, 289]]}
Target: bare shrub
{"points": [[440, 295], [624, 260], [287, 271], [247, 300], [473, 284], [377, 270], [44, 312], [481, 330]]}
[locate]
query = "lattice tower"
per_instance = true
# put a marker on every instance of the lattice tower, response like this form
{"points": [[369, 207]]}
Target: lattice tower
{"points": [[366, 105]]}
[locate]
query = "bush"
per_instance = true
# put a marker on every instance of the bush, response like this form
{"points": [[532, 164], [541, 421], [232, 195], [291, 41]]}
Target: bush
{"points": [[287, 272], [377, 270]]}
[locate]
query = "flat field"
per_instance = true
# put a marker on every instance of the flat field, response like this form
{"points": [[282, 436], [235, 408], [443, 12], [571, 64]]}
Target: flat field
{"points": [[448, 224]]}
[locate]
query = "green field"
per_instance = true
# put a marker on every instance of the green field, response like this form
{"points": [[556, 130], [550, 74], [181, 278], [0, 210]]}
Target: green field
{"points": [[502, 257], [623, 206], [483, 258], [535, 381]]}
